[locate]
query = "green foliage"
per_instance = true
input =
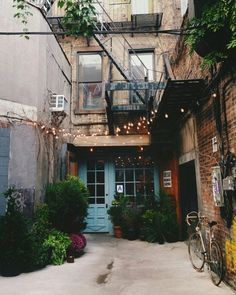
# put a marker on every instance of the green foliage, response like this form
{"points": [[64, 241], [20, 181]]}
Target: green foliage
{"points": [[79, 18], [67, 204], [15, 239], [58, 243], [116, 209], [160, 223], [218, 16], [131, 217], [40, 231]]}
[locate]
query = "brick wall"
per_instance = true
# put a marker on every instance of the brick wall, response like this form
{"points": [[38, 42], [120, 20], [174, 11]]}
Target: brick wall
{"points": [[215, 117]]}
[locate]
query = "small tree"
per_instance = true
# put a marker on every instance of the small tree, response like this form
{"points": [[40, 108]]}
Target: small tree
{"points": [[67, 204]]}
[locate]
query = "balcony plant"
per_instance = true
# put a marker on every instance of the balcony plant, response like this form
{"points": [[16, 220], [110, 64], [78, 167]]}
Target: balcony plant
{"points": [[213, 34]]}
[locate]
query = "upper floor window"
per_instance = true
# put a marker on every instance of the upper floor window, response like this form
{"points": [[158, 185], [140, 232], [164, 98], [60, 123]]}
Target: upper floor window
{"points": [[90, 81], [140, 6], [142, 65]]}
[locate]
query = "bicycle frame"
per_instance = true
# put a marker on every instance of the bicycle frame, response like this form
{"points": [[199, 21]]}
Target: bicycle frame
{"points": [[206, 246]]}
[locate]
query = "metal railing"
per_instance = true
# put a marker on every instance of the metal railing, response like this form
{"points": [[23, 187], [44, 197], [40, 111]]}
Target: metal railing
{"points": [[118, 48]]}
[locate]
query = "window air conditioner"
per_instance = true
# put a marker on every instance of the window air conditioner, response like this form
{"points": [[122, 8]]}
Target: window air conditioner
{"points": [[58, 103]]}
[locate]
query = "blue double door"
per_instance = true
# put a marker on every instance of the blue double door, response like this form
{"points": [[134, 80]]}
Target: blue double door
{"points": [[107, 177]]}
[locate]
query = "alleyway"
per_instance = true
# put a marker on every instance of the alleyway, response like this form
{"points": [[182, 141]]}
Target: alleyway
{"points": [[118, 267]]}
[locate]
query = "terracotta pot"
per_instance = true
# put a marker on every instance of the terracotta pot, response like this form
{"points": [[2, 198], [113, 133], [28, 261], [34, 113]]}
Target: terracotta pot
{"points": [[117, 231]]}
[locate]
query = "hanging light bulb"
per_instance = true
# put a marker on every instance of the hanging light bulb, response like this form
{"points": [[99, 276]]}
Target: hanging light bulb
{"points": [[182, 110], [166, 116]]}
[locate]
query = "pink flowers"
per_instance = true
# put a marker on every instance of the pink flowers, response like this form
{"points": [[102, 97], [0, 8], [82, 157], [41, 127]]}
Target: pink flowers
{"points": [[78, 243]]}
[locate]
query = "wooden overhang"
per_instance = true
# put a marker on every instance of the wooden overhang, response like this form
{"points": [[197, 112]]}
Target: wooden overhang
{"points": [[179, 97], [180, 94]]}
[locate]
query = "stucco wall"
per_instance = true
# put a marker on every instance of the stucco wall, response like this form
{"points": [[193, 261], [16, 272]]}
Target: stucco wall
{"points": [[31, 70]]}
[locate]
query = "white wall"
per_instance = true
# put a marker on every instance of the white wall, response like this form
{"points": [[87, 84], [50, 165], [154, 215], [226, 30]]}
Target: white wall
{"points": [[30, 69]]}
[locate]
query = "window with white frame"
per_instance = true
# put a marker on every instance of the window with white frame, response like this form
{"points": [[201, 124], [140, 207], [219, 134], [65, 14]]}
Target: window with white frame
{"points": [[141, 66], [90, 81]]}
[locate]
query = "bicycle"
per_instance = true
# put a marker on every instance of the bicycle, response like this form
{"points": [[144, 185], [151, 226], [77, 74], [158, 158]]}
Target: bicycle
{"points": [[204, 249]]}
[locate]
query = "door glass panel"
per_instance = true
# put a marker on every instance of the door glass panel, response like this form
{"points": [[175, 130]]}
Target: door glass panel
{"points": [[130, 189], [90, 177], [100, 200], [119, 175], [91, 200], [91, 188], [100, 190], [129, 175], [139, 175], [100, 177]]}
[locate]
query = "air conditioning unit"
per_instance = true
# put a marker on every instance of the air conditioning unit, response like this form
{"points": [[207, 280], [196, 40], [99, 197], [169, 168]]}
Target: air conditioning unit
{"points": [[58, 103]]}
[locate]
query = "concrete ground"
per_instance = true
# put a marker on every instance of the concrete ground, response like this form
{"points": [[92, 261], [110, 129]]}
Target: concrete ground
{"points": [[118, 267]]}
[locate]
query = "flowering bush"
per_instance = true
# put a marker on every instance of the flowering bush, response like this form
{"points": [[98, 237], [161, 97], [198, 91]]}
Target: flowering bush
{"points": [[78, 243]]}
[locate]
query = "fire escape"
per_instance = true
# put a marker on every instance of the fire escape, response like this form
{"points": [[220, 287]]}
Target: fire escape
{"points": [[133, 95]]}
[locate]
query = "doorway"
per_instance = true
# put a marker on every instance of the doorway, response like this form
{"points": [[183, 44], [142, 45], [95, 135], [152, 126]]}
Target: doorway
{"points": [[188, 193]]}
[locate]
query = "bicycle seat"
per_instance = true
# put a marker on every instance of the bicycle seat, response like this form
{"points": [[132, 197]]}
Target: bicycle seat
{"points": [[212, 223]]}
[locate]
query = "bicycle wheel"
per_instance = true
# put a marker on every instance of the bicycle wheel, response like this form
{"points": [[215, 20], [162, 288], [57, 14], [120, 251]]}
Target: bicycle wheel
{"points": [[216, 263], [196, 251]]}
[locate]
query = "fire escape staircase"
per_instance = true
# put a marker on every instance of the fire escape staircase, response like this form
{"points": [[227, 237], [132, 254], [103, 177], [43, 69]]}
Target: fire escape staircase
{"points": [[135, 82]]}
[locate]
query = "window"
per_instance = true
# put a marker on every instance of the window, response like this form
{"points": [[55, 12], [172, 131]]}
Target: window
{"points": [[135, 176], [90, 81], [141, 65], [139, 6]]}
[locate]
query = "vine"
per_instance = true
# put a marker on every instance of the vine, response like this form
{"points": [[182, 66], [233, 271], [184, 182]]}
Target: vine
{"points": [[217, 16], [22, 13]]}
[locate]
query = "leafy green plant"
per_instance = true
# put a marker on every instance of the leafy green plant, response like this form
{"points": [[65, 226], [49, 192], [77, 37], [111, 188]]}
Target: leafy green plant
{"points": [[116, 210], [131, 216], [67, 204], [58, 243], [218, 16], [40, 231], [79, 18], [160, 224], [15, 238]]}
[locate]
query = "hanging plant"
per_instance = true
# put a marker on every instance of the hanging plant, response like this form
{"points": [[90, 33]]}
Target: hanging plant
{"points": [[79, 18], [213, 35]]}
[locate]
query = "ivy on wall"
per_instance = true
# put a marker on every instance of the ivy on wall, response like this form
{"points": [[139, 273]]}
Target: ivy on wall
{"points": [[218, 20]]}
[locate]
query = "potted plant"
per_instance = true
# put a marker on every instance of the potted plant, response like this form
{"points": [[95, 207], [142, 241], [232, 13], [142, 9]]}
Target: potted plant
{"points": [[115, 213], [212, 34], [131, 221]]}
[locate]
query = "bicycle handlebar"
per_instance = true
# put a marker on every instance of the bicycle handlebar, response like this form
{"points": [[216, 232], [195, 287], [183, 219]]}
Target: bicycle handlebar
{"points": [[191, 216], [194, 215]]}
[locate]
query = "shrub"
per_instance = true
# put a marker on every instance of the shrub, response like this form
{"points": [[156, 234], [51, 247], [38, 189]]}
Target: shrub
{"points": [[58, 244], [40, 231], [78, 243], [67, 203], [160, 223], [15, 239]]}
